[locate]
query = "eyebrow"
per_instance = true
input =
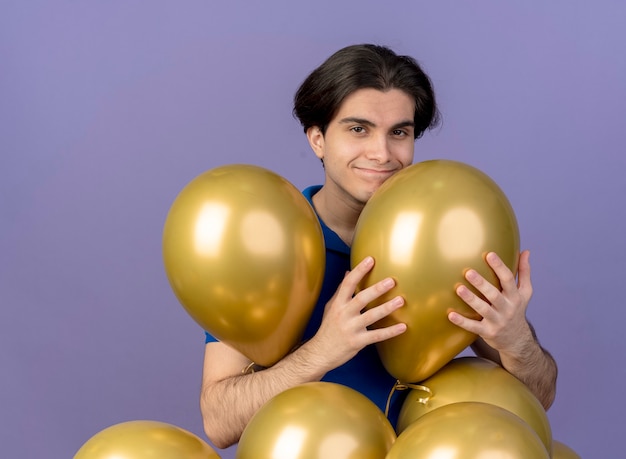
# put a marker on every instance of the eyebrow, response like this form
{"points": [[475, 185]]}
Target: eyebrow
{"points": [[365, 122]]}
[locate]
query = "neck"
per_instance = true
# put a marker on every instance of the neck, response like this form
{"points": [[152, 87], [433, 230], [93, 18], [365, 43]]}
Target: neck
{"points": [[339, 214]]}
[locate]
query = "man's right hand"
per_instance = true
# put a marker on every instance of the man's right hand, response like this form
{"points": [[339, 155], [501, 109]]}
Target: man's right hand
{"points": [[344, 328]]}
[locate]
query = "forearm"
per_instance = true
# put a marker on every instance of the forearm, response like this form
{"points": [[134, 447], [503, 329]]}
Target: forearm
{"points": [[535, 367], [227, 405], [229, 399]]}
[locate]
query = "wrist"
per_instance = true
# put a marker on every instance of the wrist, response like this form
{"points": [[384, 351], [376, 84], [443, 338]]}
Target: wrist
{"points": [[303, 365], [524, 350]]}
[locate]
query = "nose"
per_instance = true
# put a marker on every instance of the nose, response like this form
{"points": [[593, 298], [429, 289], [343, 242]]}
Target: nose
{"points": [[378, 149]]}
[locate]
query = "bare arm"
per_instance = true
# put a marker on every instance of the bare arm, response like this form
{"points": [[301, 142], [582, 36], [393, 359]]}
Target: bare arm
{"points": [[506, 336], [533, 361], [229, 398]]}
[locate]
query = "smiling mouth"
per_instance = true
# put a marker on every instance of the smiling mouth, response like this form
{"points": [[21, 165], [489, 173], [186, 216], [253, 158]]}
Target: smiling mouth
{"points": [[376, 172]]}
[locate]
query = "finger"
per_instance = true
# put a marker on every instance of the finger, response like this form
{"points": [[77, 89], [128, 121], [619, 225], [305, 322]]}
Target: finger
{"points": [[505, 276], [490, 291], [351, 280], [472, 326], [524, 283], [381, 334], [371, 293], [483, 308], [377, 313]]}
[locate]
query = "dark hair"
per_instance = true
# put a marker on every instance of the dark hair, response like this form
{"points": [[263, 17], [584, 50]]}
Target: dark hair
{"points": [[363, 66]]}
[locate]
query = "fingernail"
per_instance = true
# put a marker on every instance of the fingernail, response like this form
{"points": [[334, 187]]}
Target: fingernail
{"points": [[388, 282], [398, 301]]}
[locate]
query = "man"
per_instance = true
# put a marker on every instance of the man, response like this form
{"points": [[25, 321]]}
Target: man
{"points": [[362, 110]]}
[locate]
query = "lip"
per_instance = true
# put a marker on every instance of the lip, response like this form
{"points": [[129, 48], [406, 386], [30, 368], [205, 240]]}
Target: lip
{"points": [[376, 173]]}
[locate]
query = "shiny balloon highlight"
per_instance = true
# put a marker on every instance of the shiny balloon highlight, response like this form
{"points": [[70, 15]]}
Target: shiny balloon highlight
{"points": [[468, 430], [317, 420], [244, 253], [425, 227], [474, 379], [145, 440]]}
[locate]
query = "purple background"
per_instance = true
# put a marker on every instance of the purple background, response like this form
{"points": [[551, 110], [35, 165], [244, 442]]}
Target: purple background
{"points": [[108, 109]]}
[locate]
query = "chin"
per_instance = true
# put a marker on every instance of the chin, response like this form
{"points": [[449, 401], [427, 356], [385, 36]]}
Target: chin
{"points": [[367, 195], [368, 191]]}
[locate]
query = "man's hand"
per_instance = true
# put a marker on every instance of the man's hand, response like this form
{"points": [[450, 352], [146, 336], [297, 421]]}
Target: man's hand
{"points": [[344, 329], [503, 326], [504, 329]]}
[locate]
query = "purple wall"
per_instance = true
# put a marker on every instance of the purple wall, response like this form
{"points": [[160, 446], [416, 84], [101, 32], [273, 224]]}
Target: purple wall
{"points": [[107, 109]]}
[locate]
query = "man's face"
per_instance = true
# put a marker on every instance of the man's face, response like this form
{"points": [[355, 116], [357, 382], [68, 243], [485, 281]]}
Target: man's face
{"points": [[369, 139]]}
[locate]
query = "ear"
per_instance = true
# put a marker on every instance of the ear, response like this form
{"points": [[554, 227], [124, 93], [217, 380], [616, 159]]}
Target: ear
{"points": [[316, 140]]}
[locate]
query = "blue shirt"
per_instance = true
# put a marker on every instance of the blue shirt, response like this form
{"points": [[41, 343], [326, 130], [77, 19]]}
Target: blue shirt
{"points": [[364, 372]]}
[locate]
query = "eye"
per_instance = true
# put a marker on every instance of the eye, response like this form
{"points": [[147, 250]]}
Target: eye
{"points": [[358, 129], [403, 132]]}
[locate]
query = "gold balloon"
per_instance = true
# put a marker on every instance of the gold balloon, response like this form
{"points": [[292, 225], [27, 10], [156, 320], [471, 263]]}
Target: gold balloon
{"points": [[562, 451], [314, 421], [145, 440], [244, 254], [473, 379], [425, 227], [468, 430]]}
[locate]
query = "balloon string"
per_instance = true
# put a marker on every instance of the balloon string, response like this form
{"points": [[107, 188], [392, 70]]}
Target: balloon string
{"points": [[249, 369], [404, 386]]}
